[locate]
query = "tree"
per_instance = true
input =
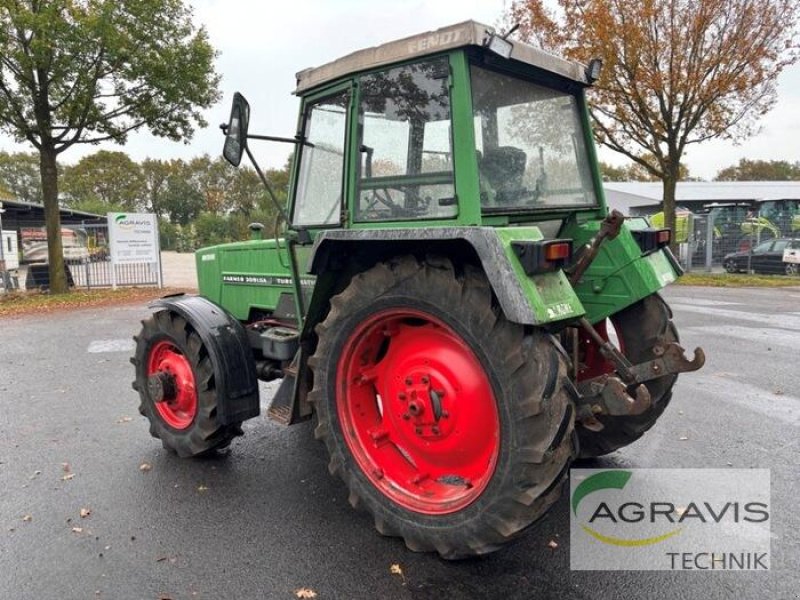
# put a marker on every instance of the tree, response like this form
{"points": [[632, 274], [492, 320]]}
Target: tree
{"points": [[84, 72], [19, 176], [106, 181], [635, 172], [155, 174], [182, 201], [675, 72], [760, 170]]}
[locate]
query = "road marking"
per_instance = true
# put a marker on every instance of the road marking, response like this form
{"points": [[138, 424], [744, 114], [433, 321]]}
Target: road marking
{"points": [[704, 301], [124, 345], [782, 320], [765, 335]]}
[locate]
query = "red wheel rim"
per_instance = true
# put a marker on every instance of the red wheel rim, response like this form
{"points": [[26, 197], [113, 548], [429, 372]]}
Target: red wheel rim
{"points": [[417, 411], [179, 407], [592, 363]]}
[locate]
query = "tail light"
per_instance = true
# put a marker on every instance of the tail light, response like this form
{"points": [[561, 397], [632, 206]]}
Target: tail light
{"points": [[543, 256], [650, 240]]}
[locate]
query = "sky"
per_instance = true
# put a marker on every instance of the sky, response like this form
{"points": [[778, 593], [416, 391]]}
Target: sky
{"points": [[263, 44]]}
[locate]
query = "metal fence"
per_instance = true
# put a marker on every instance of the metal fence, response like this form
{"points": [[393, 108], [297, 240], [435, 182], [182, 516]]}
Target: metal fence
{"points": [[716, 245], [89, 264]]}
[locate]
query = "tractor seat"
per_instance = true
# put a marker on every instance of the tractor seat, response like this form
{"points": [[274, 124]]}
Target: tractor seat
{"points": [[503, 168]]}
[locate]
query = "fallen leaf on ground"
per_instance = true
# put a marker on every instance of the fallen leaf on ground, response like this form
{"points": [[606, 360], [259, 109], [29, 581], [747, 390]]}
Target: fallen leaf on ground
{"points": [[145, 467], [201, 488], [779, 392], [66, 467], [77, 530], [305, 593], [68, 476], [27, 518], [395, 569], [85, 512], [124, 420], [552, 544], [683, 438]]}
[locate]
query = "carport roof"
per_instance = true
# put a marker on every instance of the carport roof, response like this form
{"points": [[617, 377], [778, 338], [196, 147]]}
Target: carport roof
{"points": [[19, 213]]}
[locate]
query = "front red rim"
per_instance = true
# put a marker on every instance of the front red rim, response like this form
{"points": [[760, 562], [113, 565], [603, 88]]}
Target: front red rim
{"points": [[417, 411], [179, 409]]}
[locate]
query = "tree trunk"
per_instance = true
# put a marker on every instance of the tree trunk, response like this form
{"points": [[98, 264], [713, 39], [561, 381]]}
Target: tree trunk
{"points": [[670, 180], [52, 218]]}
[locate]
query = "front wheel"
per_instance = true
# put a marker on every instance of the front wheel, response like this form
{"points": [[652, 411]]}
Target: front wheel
{"points": [[730, 266], [450, 425], [177, 388], [792, 269]]}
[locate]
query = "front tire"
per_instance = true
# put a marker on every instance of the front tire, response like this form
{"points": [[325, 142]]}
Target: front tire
{"points": [[639, 328], [449, 424], [177, 390]]}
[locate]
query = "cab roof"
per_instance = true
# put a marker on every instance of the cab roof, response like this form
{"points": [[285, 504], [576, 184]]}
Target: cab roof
{"points": [[468, 33]]}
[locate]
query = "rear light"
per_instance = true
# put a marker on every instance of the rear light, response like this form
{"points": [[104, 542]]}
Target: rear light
{"points": [[557, 251], [543, 256], [650, 240]]}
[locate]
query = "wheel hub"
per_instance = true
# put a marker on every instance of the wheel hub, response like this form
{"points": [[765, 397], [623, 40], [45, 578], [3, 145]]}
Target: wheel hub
{"points": [[162, 387], [171, 385]]}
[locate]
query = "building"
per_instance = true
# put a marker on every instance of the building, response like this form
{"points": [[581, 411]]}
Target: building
{"points": [[636, 198]]}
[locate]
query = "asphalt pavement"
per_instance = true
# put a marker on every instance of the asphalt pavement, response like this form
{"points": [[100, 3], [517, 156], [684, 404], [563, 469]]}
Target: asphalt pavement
{"points": [[265, 520]]}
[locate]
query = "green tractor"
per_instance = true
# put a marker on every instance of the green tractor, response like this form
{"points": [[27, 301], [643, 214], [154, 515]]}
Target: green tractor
{"points": [[451, 301]]}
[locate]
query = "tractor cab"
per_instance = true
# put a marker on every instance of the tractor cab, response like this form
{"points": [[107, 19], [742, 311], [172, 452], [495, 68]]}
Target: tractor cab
{"points": [[453, 127]]}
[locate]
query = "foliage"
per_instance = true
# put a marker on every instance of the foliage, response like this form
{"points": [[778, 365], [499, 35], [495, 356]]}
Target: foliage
{"points": [[760, 170], [19, 176], [105, 180], [634, 172], [84, 72], [676, 72]]}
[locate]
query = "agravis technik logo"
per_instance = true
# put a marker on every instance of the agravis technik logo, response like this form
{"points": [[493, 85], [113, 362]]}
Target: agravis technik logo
{"points": [[652, 519]]}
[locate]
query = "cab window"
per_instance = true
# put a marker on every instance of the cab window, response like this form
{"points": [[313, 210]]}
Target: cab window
{"points": [[405, 144], [321, 171]]}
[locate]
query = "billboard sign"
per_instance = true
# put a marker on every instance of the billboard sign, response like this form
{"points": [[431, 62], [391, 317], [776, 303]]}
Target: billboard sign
{"points": [[133, 238]]}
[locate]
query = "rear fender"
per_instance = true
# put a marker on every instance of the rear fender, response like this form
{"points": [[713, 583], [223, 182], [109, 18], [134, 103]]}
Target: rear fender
{"points": [[226, 342], [530, 300]]}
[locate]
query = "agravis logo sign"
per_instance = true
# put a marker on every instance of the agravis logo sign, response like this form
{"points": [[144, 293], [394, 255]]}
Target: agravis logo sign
{"points": [[653, 519]]}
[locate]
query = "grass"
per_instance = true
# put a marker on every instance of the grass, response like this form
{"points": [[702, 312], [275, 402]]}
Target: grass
{"points": [[27, 302], [738, 280]]}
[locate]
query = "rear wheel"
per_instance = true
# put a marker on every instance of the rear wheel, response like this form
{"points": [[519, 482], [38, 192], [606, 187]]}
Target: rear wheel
{"points": [[450, 425], [638, 329], [792, 269], [177, 391]]}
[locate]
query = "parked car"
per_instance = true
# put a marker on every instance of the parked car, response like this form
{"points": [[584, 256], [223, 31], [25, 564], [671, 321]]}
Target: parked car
{"points": [[767, 257]]}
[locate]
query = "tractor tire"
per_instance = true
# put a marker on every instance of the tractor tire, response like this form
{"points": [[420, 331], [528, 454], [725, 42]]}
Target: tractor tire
{"points": [[171, 362], [452, 426], [639, 327]]}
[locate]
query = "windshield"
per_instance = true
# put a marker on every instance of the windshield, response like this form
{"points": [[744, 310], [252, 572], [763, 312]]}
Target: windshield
{"points": [[530, 145]]}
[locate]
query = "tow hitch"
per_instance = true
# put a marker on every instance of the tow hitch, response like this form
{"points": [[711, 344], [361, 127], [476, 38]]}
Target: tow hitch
{"points": [[624, 393]]}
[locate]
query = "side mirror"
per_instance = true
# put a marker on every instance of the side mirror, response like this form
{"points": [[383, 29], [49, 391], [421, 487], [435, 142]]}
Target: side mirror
{"points": [[236, 130]]}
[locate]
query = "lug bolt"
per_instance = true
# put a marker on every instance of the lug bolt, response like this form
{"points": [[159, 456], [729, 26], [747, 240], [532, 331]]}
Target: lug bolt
{"points": [[425, 379], [409, 381], [418, 430], [402, 395], [406, 417], [435, 430], [377, 474]]}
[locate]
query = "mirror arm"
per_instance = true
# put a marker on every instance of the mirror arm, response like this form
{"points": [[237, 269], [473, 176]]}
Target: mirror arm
{"points": [[285, 140]]}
